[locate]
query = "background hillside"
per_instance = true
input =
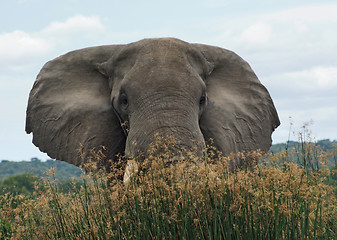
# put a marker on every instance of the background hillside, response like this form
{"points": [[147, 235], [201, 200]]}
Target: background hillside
{"points": [[64, 171], [325, 144]]}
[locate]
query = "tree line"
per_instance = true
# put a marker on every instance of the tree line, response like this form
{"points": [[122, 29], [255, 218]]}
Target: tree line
{"points": [[63, 170]]}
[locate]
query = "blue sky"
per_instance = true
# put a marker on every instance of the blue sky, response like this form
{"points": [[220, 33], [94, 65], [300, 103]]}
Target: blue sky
{"points": [[291, 45]]}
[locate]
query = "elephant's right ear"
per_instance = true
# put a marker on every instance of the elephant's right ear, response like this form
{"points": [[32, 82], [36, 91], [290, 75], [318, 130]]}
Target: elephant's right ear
{"points": [[69, 107], [240, 115]]}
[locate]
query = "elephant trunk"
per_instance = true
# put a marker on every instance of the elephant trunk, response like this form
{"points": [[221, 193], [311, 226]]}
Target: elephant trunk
{"points": [[168, 120], [177, 140]]}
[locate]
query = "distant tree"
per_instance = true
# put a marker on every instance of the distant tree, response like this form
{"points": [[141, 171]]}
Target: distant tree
{"points": [[35, 159], [19, 184]]}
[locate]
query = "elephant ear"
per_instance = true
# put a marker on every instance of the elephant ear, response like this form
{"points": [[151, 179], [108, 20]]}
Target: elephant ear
{"points": [[240, 115], [69, 107]]}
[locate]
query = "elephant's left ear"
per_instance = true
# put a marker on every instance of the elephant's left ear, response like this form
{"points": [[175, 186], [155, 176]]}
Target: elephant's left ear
{"points": [[69, 107], [240, 115]]}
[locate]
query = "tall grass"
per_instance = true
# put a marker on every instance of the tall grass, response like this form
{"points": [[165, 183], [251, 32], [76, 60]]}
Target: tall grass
{"points": [[190, 199]]}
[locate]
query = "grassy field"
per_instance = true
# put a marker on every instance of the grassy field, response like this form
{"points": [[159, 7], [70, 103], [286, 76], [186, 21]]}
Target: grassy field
{"points": [[192, 199]]}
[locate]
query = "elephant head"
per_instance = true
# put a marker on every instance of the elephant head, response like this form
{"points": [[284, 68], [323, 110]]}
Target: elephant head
{"points": [[120, 96]]}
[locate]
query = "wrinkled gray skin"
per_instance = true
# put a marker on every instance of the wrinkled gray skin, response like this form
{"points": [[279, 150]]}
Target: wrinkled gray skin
{"points": [[191, 92]]}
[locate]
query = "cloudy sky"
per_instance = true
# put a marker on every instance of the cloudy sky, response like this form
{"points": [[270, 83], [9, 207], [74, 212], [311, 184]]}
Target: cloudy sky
{"points": [[290, 44]]}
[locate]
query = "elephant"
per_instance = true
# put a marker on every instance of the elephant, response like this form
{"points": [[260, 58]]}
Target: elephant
{"points": [[121, 96]]}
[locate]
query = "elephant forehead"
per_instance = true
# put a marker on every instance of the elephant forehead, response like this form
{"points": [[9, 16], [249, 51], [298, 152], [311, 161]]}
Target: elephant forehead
{"points": [[162, 50], [165, 76], [176, 55], [149, 56], [163, 43], [161, 64], [168, 51]]}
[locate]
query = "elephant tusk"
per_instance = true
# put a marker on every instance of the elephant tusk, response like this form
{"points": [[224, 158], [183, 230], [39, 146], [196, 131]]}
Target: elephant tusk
{"points": [[130, 171]]}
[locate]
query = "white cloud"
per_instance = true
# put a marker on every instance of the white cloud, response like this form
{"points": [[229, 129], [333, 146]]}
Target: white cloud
{"points": [[327, 77], [258, 33], [301, 27], [314, 80], [306, 95], [320, 77], [75, 25], [19, 48], [320, 113], [286, 41], [313, 13]]}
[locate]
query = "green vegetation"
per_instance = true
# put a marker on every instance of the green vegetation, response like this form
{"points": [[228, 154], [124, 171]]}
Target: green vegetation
{"points": [[308, 151], [64, 171], [22, 177], [325, 144], [26, 183], [19, 184], [192, 199]]}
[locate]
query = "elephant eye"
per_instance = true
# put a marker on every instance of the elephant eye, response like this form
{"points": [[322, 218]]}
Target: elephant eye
{"points": [[123, 100], [202, 101]]}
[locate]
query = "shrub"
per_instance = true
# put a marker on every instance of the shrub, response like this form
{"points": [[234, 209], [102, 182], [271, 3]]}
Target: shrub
{"points": [[18, 184]]}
